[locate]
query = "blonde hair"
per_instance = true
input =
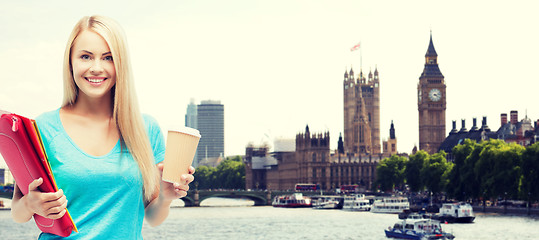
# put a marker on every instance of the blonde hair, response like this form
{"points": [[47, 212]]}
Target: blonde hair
{"points": [[126, 113]]}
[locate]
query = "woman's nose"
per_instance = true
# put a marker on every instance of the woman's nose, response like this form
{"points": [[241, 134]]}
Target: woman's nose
{"points": [[97, 67]]}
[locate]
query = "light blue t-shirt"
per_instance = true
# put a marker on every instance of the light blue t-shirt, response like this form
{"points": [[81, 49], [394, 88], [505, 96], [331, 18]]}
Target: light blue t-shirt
{"points": [[104, 193]]}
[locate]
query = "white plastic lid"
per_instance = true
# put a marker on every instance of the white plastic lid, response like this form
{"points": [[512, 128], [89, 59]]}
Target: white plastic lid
{"points": [[186, 130]]}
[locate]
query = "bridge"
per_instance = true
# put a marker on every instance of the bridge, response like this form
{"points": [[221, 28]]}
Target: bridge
{"points": [[195, 197], [260, 197]]}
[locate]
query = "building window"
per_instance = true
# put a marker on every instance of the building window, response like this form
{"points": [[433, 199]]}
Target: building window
{"points": [[314, 157], [323, 157]]}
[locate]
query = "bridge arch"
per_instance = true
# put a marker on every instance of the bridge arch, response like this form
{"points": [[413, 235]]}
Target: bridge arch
{"points": [[188, 201], [258, 200]]}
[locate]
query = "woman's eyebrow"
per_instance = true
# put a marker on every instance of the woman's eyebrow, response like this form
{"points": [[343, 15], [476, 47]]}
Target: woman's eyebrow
{"points": [[86, 51]]}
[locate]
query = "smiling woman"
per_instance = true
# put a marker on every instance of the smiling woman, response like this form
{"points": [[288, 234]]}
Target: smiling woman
{"points": [[93, 66], [106, 156]]}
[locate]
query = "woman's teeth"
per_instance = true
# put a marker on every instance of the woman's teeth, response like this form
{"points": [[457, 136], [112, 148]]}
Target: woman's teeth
{"points": [[93, 80]]}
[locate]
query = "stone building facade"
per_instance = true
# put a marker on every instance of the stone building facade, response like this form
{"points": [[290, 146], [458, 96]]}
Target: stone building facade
{"points": [[524, 132], [431, 103], [361, 97], [311, 162]]}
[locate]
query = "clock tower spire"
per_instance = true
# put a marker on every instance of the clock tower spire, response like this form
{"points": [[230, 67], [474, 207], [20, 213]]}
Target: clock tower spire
{"points": [[431, 103]]}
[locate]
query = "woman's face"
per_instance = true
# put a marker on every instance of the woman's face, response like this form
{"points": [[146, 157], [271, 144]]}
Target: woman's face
{"points": [[93, 66]]}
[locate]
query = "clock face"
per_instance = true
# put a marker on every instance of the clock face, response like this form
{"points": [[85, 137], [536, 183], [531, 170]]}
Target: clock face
{"points": [[435, 95]]}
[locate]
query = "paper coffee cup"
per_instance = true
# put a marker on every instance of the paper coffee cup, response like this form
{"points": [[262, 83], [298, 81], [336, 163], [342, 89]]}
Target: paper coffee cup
{"points": [[180, 150]]}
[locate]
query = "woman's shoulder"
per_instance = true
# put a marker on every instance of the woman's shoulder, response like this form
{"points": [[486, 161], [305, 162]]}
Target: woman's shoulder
{"points": [[49, 124], [49, 116], [150, 124], [149, 121], [155, 135], [49, 119]]}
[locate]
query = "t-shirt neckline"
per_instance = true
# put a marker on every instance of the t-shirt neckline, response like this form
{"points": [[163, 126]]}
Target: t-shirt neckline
{"points": [[64, 132]]}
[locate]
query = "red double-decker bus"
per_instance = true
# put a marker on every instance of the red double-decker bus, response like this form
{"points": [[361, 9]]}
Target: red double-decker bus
{"points": [[307, 187]]}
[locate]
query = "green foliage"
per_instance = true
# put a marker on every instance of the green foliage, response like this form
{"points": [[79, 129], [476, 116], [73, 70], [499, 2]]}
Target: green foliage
{"points": [[413, 171], [498, 168], [529, 181], [462, 181], [390, 172], [435, 172], [489, 169], [492, 169], [229, 174]]}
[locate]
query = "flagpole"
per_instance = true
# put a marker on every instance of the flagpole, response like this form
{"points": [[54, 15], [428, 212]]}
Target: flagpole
{"points": [[360, 59], [355, 47]]}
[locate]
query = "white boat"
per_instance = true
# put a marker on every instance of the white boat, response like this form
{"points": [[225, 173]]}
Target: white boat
{"points": [[455, 213], [356, 202], [390, 205], [418, 228], [327, 202], [291, 201]]}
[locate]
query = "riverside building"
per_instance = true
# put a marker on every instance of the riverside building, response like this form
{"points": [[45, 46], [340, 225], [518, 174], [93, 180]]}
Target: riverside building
{"points": [[310, 160], [211, 124], [359, 151], [191, 116], [524, 132]]}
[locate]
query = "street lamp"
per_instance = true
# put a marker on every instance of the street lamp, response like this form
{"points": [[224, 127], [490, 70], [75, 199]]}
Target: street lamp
{"points": [[529, 201], [505, 203], [484, 200]]}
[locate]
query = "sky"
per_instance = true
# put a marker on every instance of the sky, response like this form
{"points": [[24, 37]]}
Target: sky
{"points": [[278, 66]]}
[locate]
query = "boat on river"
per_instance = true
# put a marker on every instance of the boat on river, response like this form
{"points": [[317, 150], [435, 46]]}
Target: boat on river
{"points": [[356, 202], [295, 200], [390, 205], [455, 213], [327, 202], [417, 228]]}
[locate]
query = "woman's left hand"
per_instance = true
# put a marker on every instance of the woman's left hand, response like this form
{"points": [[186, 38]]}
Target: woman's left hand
{"points": [[171, 191]]}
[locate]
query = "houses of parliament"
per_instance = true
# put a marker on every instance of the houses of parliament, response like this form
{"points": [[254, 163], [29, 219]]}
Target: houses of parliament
{"points": [[309, 158]]}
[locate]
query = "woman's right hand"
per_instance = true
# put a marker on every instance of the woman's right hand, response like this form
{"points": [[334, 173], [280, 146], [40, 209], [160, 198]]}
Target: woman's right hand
{"points": [[50, 205]]}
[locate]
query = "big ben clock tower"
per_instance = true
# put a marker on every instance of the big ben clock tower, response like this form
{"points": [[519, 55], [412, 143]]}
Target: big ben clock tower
{"points": [[431, 103]]}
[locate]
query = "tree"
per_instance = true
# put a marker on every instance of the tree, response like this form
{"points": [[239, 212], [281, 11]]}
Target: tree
{"points": [[498, 168], [229, 174], [390, 172], [462, 179], [529, 182], [413, 170], [203, 177], [435, 172], [470, 178]]}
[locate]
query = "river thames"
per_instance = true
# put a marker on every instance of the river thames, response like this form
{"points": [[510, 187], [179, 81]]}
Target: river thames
{"points": [[247, 222]]}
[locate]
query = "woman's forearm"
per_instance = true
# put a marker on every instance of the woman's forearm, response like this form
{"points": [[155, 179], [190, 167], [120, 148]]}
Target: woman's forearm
{"points": [[157, 211], [19, 210]]}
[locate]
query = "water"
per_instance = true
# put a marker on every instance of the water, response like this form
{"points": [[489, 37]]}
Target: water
{"points": [[247, 222]]}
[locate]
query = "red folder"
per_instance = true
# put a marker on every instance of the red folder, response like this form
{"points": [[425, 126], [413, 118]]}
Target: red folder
{"points": [[22, 149]]}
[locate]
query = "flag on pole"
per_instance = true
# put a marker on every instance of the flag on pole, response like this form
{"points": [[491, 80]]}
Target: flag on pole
{"points": [[355, 47]]}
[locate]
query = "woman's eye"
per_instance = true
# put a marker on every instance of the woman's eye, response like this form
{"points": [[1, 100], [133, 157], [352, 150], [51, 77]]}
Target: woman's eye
{"points": [[108, 58], [85, 57]]}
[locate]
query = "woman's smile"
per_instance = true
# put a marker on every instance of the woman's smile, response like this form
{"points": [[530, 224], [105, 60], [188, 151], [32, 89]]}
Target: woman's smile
{"points": [[95, 80]]}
